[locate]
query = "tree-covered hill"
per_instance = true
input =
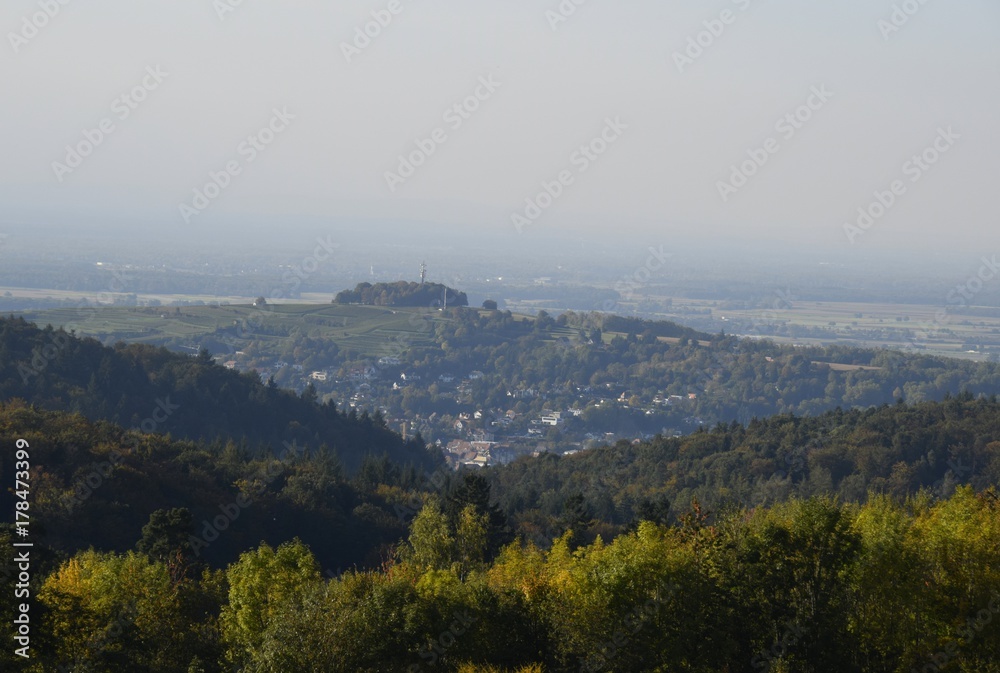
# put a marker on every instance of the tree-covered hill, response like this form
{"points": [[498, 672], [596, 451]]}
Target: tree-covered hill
{"points": [[97, 484], [603, 373], [893, 449], [402, 293], [154, 390]]}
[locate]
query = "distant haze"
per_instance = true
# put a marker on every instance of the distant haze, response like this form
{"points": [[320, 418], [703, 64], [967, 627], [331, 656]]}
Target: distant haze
{"points": [[673, 126]]}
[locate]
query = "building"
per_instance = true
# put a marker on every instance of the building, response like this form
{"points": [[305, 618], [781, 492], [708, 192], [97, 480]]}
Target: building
{"points": [[552, 418]]}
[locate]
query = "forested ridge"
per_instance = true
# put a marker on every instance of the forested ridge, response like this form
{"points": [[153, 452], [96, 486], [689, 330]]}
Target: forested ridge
{"points": [[154, 390], [895, 450]]}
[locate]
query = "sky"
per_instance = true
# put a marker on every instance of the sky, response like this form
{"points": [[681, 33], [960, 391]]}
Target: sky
{"points": [[637, 119]]}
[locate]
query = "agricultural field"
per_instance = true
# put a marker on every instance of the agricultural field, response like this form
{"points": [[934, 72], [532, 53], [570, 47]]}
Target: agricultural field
{"points": [[971, 333], [367, 329]]}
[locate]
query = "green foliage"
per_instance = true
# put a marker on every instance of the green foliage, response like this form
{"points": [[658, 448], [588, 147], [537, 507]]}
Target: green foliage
{"points": [[896, 450], [154, 390], [110, 613], [809, 585], [431, 545], [264, 585], [473, 490], [402, 293], [97, 485], [165, 537]]}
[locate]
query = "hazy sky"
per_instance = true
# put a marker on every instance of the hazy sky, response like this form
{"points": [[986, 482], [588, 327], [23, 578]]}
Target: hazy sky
{"points": [[675, 128]]}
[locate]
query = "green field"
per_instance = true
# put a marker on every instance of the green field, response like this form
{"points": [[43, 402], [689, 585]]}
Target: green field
{"points": [[370, 330]]}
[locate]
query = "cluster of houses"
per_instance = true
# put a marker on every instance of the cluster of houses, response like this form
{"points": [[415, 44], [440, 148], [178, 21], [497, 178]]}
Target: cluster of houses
{"points": [[667, 400], [265, 372], [467, 438], [477, 453]]}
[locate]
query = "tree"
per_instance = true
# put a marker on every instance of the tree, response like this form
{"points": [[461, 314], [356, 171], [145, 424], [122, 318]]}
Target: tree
{"points": [[576, 518], [470, 538], [165, 539], [262, 584], [490, 305], [656, 510], [430, 545], [119, 613], [475, 490]]}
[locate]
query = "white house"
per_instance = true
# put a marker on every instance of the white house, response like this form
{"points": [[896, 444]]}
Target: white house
{"points": [[552, 418]]}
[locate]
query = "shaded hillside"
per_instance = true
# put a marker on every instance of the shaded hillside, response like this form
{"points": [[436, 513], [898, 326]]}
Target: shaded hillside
{"points": [[158, 391], [897, 450], [96, 485]]}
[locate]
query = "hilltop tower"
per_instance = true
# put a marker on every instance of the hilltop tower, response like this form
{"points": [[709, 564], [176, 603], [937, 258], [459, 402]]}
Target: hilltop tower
{"points": [[423, 272]]}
